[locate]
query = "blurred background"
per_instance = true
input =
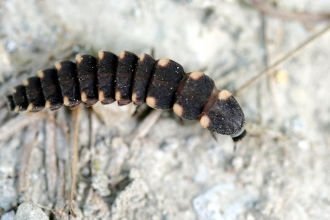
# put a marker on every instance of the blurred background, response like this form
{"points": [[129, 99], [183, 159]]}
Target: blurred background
{"points": [[175, 169]]}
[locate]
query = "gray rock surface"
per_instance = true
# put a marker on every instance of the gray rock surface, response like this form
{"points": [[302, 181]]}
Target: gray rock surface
{"points": [[176, 171]]}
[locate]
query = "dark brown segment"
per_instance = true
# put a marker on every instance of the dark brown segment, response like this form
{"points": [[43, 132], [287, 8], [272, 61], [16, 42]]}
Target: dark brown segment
{"points": [[51, 88], [125, 72], [10, 103], [141, 79], [87, 75], [222, 114], [34, 94], [192, 93], [163, 84], [106, 73], [67, 77], [20, 98]]}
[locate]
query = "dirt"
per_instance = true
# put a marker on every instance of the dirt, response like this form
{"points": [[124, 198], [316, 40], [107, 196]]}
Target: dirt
{"points": [[175, 169]]}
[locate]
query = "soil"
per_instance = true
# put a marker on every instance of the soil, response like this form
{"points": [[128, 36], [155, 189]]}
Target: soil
{"points": [[158, 166]]}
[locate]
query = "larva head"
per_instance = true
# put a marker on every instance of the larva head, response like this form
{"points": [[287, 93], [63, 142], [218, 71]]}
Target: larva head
{"points": [[222, 114]]}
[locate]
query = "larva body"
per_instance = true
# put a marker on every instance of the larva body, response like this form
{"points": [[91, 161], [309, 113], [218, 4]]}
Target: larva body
{"points": [[162, 84]]}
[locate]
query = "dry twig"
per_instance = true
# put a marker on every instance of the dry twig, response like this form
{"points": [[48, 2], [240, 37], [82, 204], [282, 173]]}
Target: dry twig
{"points": [[75, 145], [50, 157], [298, 16], [285, 58], [24, 165]]}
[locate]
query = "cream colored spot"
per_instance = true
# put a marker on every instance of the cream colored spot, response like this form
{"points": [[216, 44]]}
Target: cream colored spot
{"points": [[122, 54], [48, 104], [163, 62], [224, 95], [101, 96], [16, 109], [25, 82], [282, 76], [196, 75], [30, 107], [142, 57], [13, 90], [66, 101], [41, 74], [134, 97], [151, 102], [101, 54], [118, 96], [84, 97], [205, 121], [79, 58], [58, 65], [178, 109]]}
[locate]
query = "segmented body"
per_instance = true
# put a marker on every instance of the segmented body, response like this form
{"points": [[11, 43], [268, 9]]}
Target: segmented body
{"points": [[162, 84]]}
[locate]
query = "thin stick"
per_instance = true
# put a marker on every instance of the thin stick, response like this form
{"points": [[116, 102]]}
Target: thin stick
{"points": [[29, 143], [302, 16], [22, 120], [287, 57], [146, 125], [16, 124], [141, 131], [50, 157], [76, 114]]}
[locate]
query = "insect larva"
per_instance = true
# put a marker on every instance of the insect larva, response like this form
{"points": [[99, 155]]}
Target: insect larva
{"points": [[162, 84]]}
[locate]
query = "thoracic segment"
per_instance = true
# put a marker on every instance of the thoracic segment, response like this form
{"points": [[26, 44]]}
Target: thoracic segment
{"points": [[162, 84]]}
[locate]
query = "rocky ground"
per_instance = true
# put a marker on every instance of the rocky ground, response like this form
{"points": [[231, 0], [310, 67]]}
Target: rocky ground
{"points": [[156, 166]]}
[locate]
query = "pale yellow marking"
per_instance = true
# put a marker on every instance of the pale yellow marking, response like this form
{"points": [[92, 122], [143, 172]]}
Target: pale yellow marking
{"points": [[122, 54], [41, 74], [118, 96], [79, 58], [205, 121], [48, 104], [101, 54], [25, 82], [58, 65], [30, 107], [163, 62], [134, 97], [66, 101], [13, 90], [101, 96], [178, 109], [84, 97], [282, 76], [224, 95], [151, 102], [142, 57], [196, 75], [16, 109]]}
